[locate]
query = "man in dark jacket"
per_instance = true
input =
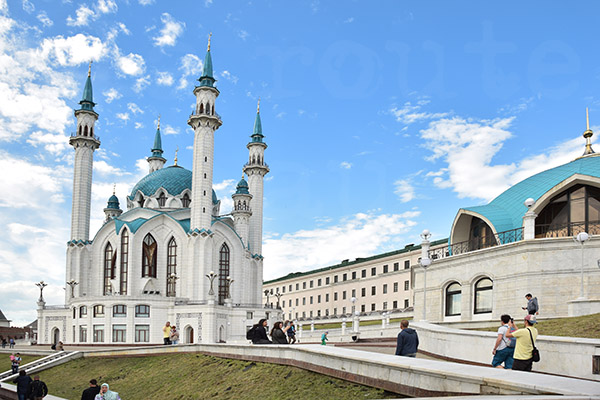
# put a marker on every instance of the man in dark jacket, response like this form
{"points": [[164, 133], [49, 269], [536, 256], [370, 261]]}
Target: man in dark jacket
{"points": [[91, 392], [408, 341], [532, 305], [23, 382], [38, 389]]}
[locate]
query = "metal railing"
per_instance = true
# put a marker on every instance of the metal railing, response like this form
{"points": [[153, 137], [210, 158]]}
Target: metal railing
{"points": [[500, 238], [566, 229], [93, 137]]}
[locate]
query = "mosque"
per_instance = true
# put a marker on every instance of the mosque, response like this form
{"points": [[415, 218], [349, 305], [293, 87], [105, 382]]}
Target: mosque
{"points": [[171, 256]]}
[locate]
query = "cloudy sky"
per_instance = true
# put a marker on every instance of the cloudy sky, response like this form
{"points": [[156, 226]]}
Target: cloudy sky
{"points": [[382, 118]]}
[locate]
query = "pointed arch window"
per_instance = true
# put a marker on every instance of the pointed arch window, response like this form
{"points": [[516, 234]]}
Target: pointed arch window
{"points": [[223, 272], [171, 267], [109, 272], [162, 199], [149, 250], [185, 201], [124, 261], [141, 201], [201, 111]]}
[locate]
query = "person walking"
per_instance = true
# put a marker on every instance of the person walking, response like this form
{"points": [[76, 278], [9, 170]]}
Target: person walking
{"points": [[16, 361], [11, 343], [3, 343], [38, 389], [260, 333], [525, 342], [407, 343], [91, 392], [291, 332], [106, 393], [23, 382], [504, 347], [533, 307], [167, 333], [324, 338], [278, 333], [174, 335]]}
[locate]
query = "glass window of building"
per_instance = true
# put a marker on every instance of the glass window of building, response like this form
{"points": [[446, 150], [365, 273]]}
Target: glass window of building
{"points": [[318, 313], [119, 310], [297, 286], [82, 311], [343, 310], [318, 298], [283, 289], [98, 333], [327, 280], [453, 292], [406, 285], [119, 333], [74, 313], [319, 282], [373, 271], [385, 305], [334, 311], [483, 296], [344, 295], [312, 284], [363, 292], [395, 304], [345, 277], [290, 288], [83, 333], [385, 269], [311, 299], [353, 292], [142, 311], [335, 296], [362, 308], [142, 333], [373, 307], [335, 279], [326, 297], [98, 311], [373, 290], [304, 301], [353, 274], [407, 264], [385, 289], [405, 303], [396, 266], [296, 303], [363, 273], [311, 314], [395, 287], [303, 285]]}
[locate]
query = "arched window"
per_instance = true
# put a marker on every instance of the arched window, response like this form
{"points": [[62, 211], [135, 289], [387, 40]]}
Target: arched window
{"points": [[124, 261], [483, 296], [208, 108], [171, 267], [149, 250], [85, 131], [481, 235], [201, 111], [213, 110], [570, 212], [79, 130], [108, 268], [141, 201], [92, 131], [223, 272], [453, 292], [185, 201], [162, 199]]}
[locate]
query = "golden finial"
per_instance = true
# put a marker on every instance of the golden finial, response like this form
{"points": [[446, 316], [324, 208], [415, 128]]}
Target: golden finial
{"points": [[90, 69], [209, 35], [176, 150], [588, 135], [114, 188], [258, 106], [158, 126]]}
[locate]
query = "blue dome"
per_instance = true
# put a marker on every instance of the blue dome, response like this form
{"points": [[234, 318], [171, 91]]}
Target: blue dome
{"points": [[173, 179], [113, 203], [506, 211], [242, 187]]}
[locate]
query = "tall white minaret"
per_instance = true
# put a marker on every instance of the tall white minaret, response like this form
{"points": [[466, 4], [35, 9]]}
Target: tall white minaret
{"points": [[205, 121], [241, 210], [85, 142], [256, 169]]}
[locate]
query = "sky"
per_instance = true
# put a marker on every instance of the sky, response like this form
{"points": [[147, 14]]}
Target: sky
{"points": [[382, 118]]}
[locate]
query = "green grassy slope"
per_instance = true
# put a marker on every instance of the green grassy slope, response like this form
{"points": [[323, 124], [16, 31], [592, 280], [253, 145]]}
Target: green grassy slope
{"points": [[587, 326]]}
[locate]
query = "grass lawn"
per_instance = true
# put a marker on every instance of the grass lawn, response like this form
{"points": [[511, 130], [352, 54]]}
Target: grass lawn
{"points": [[25, 359], [587, 326], [196, 376]]}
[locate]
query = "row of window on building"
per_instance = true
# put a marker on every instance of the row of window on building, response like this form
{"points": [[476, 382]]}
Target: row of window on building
{"points": [[326, 313], [344, 277], [118, 310], [119, 333], [482, 298]]}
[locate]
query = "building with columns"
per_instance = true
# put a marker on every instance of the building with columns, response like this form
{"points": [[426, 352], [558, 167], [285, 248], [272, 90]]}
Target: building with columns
{"points": [[171, 256]]}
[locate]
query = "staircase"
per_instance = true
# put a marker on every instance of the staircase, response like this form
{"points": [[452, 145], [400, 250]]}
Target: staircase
{"points": [[42, 364]]}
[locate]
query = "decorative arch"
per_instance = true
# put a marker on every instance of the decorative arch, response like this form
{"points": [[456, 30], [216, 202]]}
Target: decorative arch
{"points": [[149, 252], [186, 200], [162, 199], [201, 110], [124, 261], [473, 229], [109, 272], [224, 259], [171, 267], [85, 131]]}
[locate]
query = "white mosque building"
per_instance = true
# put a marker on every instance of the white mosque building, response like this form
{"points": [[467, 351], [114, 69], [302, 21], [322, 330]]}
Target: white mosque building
{"points": [[171, 256]]}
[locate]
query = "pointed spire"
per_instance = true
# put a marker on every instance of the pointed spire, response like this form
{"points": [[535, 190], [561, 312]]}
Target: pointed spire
{"points": [[207, 78], [176, 151], [588, 135], [157, 150], [87, 100], [257, 135], [114, 189]]}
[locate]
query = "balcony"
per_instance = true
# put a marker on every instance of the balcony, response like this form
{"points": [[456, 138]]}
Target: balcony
{"points": [[566, 229], [498, 239]]}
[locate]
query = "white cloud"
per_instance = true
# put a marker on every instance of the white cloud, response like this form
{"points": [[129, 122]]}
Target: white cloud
{"points": [[281, 115], [146, 2], [106, 6], [123, 117], [227, 75], [112, 94], [349, 20], [242, 34], [53, 144], [103, 168], [190, 65], [345, 165], [73, 50], [171, 30], [44, 19], [83, 16], [141, 83], [134, 108], [139, 125], [164, 79], [28, 6], [169, 130], [131, 64], [359, 235], [224, 190], [410, 113], [404, 190]]}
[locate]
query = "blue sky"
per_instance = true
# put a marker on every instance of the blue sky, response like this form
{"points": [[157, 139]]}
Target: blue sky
{"points": [[382, 118]]}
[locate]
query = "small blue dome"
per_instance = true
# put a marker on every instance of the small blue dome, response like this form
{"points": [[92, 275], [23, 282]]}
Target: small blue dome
{"points": [[113, 203], [242, 187], [214, 197], [173, 179]]}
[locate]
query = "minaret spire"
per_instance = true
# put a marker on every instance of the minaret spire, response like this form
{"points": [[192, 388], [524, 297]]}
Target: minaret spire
{"points": [[588, 135], [207, 78], [175, 160], [90, 69], [156, 160]]}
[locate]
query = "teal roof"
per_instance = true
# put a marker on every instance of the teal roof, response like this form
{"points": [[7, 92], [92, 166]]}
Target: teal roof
{"points": [[157, 150], [257, 136], [207, 71], [136, 224], [506, 211], [87, 100], [242, 187], [214, 197], [113, 203]]}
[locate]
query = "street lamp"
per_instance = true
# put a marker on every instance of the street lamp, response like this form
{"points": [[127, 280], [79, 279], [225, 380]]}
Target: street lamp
{"points": [[72, 283], [41, 285], [278, 295], [353, 300], [267, 302], [211, 277], [229, 283], [425, 262], [581, 237]]}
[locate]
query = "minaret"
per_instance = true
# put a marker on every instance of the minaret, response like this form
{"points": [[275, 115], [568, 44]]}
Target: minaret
{"points": [[156, 160], [112, 209], [588, 135], [241, 210], [204, 122], [256, 169], [85, 142]]}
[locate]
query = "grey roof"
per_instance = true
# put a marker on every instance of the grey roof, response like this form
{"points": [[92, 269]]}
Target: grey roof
{"points": [[2, 317]]}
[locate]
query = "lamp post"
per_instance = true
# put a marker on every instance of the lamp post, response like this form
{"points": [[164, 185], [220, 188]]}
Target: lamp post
{"points": [[171, 281], [211, 277], [267, 295], [582, 237], [72, 283], [278, 295], [425, 262], [229, 283], [353, 300], [41, 285]]}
